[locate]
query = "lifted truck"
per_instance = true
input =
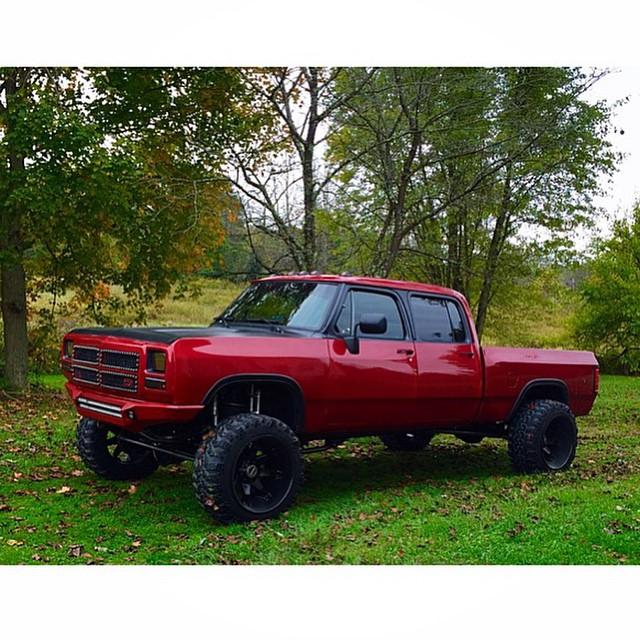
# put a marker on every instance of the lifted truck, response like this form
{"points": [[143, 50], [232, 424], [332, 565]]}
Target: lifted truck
{"points": [[306, 358]]}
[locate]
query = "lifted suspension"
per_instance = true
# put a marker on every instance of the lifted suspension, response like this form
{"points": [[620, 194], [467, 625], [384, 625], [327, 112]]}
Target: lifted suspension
{"points": [[155, 447]]}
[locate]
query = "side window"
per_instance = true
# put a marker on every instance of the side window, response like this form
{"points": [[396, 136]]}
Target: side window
{"points": [[358, 302], [437, 320], [457, 324], [344, 321]]}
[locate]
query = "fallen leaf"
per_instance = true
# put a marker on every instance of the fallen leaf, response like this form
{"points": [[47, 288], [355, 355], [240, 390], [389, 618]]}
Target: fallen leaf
{"points": [[75, 550], [132, 489], [15, 543], [64, 489]]}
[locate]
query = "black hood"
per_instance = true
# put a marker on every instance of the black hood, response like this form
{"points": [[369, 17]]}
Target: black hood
{"points": [[167, 335]]}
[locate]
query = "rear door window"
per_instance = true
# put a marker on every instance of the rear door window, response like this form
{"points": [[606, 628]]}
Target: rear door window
{"points": [[437, 320]]}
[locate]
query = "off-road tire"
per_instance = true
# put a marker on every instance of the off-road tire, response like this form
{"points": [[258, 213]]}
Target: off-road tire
{"points": [[527, 432], [217, 458], [414, 441], [91, 441]]}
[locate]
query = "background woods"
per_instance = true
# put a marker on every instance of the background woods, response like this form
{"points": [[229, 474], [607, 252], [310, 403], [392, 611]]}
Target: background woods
{"points": [[118, 185]]}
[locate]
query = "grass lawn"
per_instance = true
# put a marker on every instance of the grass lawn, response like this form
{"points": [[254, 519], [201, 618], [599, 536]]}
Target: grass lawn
{"points": [[454, 503]]}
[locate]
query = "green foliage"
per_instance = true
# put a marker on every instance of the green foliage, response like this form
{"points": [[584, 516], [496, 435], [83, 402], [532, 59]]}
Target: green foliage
{"points": [[609, 318], [453, 503], [448, 171], [535, 311], [112, 178]]}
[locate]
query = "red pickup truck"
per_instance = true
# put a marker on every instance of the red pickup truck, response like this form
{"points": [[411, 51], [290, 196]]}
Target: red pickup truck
{"points": [[304, 359]]}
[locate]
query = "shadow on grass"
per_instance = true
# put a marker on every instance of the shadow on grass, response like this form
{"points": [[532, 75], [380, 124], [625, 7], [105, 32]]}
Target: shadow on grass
{"points": [[332, 477], [335, 481]]}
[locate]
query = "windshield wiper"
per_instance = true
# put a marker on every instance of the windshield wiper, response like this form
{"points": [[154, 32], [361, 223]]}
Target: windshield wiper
{"points": [[273, 324], [223, 320]]}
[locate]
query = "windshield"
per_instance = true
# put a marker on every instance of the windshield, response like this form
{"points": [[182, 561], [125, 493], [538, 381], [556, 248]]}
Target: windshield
{"points": [[293, 304]]}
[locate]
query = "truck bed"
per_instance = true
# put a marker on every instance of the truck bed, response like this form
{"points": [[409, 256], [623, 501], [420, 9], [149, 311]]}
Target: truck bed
{"points": [[507, 371]]}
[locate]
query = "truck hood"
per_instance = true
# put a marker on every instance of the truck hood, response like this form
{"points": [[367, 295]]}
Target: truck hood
{"points": [[168, 335]]}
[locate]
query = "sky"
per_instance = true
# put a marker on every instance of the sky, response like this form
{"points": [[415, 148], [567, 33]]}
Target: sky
{"points": [[624, 188]]}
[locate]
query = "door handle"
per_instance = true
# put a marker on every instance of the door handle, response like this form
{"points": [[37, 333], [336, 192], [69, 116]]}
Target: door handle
{"points": [[469, 354], [405, 352]]}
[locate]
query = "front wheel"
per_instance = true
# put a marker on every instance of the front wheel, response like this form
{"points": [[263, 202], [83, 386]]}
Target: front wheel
{"points": [[543, 437], [104, 453], [250, 469]]}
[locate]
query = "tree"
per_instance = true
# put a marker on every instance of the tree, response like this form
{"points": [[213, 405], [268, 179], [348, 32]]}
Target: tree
{"points": [[281, 174], [454, 164], [608, 321], [100, 186]]}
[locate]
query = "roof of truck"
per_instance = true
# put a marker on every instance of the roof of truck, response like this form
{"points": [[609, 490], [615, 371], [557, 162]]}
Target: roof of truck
{"points": [[369, 282]]}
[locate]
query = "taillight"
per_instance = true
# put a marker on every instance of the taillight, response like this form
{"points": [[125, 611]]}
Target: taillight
{"points": [[596, 380]]}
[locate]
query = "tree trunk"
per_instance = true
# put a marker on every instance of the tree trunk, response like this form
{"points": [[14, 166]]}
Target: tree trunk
{"points": [[12, 274], [308, 181], [14, 318], [495, 249]]}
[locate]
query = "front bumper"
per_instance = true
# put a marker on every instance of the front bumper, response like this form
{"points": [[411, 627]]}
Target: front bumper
{"points": [[129, 413]]}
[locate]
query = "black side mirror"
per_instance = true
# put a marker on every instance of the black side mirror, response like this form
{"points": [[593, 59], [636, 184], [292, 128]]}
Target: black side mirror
{"points": [[352, 343], [373, 323], [370, 323]]}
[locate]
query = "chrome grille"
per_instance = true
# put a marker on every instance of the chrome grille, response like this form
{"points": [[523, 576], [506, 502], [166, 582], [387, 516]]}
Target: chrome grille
{"points": [[108, 368], [122, 381], [119, 359], [85, 374], [86, 354]]}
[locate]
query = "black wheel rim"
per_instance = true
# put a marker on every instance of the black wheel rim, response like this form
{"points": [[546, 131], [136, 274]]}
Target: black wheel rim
{"points": [[558, 442], [262, 475], [122, 452]]}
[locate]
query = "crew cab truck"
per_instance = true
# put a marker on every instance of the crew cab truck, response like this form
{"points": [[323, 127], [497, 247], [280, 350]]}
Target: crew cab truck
{"points": [[308, 358]]}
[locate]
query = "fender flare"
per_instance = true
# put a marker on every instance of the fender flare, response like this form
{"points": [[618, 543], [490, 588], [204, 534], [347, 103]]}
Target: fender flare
{"points": [[293, 386], [561, 385]]}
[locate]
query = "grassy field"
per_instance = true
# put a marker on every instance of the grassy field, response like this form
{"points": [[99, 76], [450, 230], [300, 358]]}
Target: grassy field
{"points": [[454, 503]]}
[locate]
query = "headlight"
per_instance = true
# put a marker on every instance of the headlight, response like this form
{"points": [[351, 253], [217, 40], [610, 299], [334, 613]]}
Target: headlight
{"points": [[157, 361], [67, 349]]}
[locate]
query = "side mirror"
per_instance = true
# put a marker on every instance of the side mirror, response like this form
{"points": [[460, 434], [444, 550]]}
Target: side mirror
{"points": [[370, 323], [373, 323], [352, 343]]}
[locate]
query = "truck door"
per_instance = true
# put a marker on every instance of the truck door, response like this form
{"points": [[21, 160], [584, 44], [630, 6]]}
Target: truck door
{"points": [[375, 388], [449, 363]]}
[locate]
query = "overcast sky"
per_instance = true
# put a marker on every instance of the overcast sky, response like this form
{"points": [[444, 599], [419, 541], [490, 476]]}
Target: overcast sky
{"points": [[625, 187]]}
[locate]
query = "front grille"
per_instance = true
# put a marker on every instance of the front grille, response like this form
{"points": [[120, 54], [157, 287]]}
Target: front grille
{"points": [[122, 381], [120, 359], [106, 368], [86, 354], [92, 376]]}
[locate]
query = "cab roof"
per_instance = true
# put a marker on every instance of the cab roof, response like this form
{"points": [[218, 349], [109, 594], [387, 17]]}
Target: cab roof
{"points": [[369, 282]]}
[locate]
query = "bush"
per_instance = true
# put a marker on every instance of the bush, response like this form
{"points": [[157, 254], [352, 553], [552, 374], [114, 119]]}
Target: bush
{"points": [[608, 321]]}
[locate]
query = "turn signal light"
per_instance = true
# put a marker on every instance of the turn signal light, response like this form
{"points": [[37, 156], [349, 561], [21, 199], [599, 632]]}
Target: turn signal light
{"points": [[67, 349], [157, 361]]}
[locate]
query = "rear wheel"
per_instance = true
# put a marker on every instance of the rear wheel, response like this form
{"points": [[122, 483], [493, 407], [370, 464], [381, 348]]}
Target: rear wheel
{"points": [[250, 469], [104, 453], [543, 437], [413, 441]]}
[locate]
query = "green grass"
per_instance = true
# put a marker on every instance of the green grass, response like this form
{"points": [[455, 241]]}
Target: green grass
{"points": [[454, 503]]}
